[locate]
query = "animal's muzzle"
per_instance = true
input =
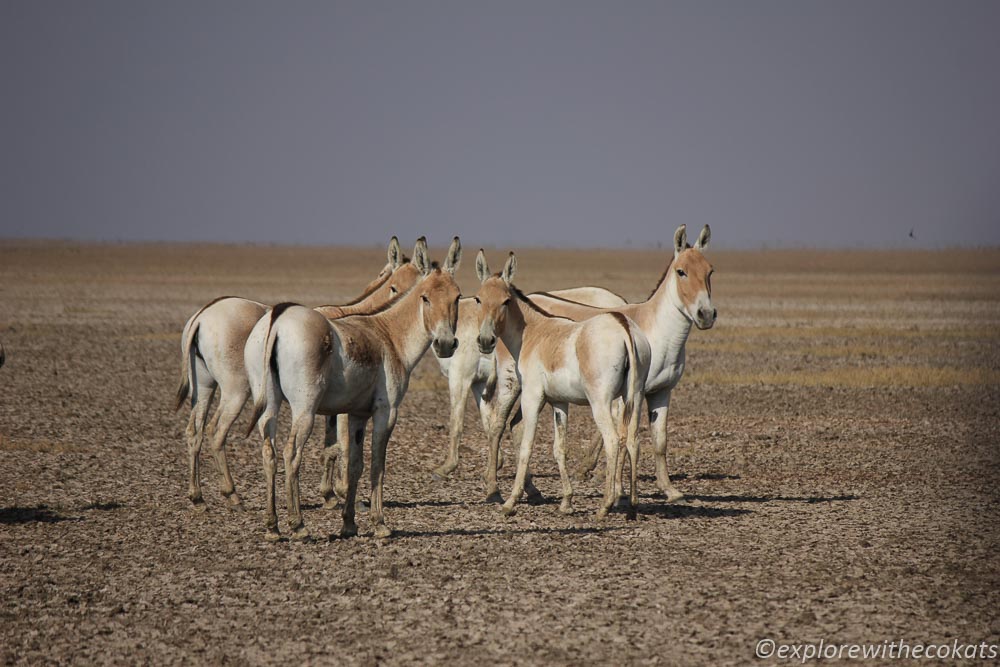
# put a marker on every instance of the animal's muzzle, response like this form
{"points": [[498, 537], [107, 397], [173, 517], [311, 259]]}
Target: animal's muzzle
{"points": [[706, 318], [487, 344], [445, 348]]}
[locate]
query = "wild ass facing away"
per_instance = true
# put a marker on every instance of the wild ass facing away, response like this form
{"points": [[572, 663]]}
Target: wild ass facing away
{"points": [[682, 298], [359, 366], [559, 362], [212, 358], [492, 379]]}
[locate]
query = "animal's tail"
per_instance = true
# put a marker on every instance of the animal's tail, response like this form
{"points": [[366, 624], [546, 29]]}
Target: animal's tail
{"points": [[188, 350], [270, 373], [634, 382]]}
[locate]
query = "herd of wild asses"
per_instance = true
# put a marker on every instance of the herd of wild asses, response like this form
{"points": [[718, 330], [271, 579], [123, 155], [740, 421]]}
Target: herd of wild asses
{"points": [[352, 363]]}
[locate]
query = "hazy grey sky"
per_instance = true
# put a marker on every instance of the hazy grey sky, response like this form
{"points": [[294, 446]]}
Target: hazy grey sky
{"points": [[510, 123]]}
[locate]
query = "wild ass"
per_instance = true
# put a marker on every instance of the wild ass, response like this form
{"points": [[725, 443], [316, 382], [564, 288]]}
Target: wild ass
{"points": [[491, 379], [559, 362], [212, 357], [359, 366], [681, 298]]}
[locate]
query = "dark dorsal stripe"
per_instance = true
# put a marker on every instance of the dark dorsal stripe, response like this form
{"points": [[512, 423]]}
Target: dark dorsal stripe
{"points": [[521, 296]]}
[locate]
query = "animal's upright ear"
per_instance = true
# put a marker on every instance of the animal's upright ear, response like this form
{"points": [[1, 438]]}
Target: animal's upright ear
{"points": [[454, 256], [482, 268], [703, 238], [509, 269], [680, 240], [420, 258], [395, 254]]}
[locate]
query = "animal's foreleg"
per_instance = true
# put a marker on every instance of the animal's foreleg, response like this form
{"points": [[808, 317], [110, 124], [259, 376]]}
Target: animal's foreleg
{"points": [[530, 407], [459, 392], [383, 421], [658, 405]]}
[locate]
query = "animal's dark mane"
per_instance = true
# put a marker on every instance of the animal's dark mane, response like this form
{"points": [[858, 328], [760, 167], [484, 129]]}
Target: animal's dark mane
{"points": [[386, 306], [663, 277]]}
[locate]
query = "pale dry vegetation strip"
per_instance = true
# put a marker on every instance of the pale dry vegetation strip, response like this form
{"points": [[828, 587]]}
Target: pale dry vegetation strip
{"points": [[864, 377]]}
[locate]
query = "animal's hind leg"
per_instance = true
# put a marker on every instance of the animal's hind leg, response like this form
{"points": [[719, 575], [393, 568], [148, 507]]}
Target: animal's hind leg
{"points": [[195, 437], [356, 428], [302, 425], [229, 410], [612, 443], [269, 430], [559, 413]]}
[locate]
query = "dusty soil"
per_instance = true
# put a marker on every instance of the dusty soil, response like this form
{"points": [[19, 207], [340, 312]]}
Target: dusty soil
{"points": [[837, 436]]}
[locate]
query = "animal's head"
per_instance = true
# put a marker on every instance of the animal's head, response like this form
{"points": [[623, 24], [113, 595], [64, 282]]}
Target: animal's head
{"points": [[439, 295], [492, 299], [691, 278]]}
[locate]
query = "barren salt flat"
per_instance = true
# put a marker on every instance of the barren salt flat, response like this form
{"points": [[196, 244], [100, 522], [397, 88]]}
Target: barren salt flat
{"points": [[836, 434]]}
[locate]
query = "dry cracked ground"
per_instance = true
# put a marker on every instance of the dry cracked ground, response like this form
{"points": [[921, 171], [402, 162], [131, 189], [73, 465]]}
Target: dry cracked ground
{"points": [[836, 435]]}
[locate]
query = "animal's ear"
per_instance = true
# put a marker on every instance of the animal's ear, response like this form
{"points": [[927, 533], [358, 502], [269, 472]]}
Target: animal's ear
{"points": [[509, 269], [680, 240], [482, 268], [703, 238], [420, 259], [395, 254], [454, 256]]}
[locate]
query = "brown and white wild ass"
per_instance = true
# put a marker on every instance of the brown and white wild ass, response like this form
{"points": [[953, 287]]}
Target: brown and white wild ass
{"points": [[682, 298], [492, 379], [212, 359], [359, 366], [559, 362]]}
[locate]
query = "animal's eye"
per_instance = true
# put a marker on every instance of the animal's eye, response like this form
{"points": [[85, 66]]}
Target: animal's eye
{"points": [[393, 290], [424, 298], [478, 302], [681, 273]]}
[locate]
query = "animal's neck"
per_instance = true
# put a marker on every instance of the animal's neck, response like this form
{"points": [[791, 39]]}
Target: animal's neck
{"points": [[673, 326], [405, 329], [520, 316]]}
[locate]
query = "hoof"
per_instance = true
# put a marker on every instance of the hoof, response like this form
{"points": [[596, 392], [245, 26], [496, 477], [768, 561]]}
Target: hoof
{"points": [[301, 533], [198, 504], [361, 507], [508, 510], [349, 530], [272, 535], [440, 474], [602, 513], [235, 503], [566, 507], [673, 495], [331, 503], [494, 498], [383, 531]]}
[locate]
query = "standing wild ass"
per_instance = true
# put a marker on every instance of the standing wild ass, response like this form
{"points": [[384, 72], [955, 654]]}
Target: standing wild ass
{"points": [[359, 366], [559, 362], [682, 297], [212, 357], [492, 379]]}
